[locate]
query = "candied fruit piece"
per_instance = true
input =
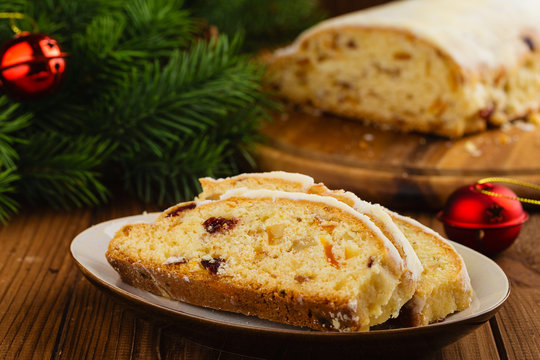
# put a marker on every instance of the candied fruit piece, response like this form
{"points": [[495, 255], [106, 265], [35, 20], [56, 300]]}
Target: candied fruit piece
{"points": [[213, 264], [328, 252]]}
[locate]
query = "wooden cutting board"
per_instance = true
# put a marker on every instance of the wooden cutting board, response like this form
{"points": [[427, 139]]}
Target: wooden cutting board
{"points": [[394, 169]]}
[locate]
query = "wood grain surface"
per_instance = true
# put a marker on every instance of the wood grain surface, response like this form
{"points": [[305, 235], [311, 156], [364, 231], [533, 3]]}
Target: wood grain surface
{"points": [[395, 169], [48, 310]]}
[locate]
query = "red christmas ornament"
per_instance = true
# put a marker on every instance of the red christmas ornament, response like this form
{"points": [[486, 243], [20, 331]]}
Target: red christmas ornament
{"points": [[31, 66], [486, 223]]}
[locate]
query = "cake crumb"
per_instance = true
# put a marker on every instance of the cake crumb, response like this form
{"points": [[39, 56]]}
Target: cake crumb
{"points": [[353, 305], [369, 137], [506, 126], [525, 126], [534, 119], [175, 260], [473, 149], [503, 139], [363, 145]]}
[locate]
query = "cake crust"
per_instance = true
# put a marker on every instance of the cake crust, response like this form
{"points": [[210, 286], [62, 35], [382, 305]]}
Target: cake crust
{"points": [[280, 306]]}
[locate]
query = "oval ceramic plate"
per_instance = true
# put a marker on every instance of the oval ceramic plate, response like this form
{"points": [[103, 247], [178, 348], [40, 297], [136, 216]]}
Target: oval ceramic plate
{"points": [[251, 335]]}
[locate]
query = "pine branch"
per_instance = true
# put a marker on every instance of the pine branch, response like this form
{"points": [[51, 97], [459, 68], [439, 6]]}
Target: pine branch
{"points": [[10, 123], [63, 171], [159, 105], [173, 176], [264, 23], [143, 94], [188, 119], [142, 29], [109, 48], [8, 205], [157, 27]]}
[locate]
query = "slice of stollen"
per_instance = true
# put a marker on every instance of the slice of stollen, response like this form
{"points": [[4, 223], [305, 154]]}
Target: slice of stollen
{"points": [[296, 258], [445, 286], [285, 181]]}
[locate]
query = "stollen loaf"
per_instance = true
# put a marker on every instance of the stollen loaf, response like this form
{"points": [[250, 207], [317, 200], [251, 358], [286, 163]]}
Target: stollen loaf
{"points": [[445, 67]]}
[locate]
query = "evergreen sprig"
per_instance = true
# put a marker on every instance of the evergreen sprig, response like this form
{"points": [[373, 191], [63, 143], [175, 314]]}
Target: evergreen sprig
{"points": [[63, 170], [10, 125], [9, 205], [190, 126], [267, 24], [147, 99]]}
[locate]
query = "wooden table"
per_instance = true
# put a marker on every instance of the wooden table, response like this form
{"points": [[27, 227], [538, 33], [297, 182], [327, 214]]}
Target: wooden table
{"points": [[48, 310]]}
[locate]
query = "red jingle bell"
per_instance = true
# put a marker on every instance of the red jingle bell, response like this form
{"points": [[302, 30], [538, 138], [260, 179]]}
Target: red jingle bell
{"points": [[486, 223], [31, 65]]}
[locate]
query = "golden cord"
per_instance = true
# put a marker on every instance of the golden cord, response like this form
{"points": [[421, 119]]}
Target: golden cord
{"points": [[19, 16], [509, 181]]}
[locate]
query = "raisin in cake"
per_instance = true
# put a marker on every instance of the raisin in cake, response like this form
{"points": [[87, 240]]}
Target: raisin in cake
{"points": [[447, 67], [442, 283], [301, 259]]}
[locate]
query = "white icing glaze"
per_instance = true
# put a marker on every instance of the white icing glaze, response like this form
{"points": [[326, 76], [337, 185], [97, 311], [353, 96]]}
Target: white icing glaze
{"points": [[474, 33], [305, 180], [412, 262], [273, 194]]}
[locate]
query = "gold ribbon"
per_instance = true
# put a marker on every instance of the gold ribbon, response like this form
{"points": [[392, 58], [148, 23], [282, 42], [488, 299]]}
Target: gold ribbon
{"points": [[19, 16], [509, 181]]}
